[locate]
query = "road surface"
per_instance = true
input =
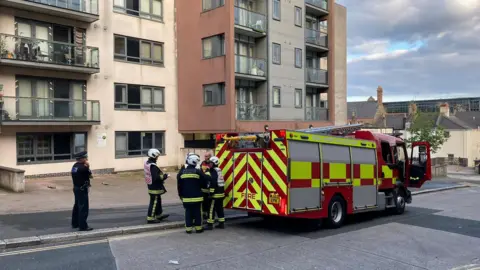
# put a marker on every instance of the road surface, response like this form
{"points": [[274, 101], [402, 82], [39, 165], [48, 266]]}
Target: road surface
{"points": [[438, 231]]}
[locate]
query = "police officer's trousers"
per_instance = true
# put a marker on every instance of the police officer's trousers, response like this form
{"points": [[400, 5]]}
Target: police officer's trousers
{"points": [[193, 216], [80, 208], [216, 207], [155, 209]]}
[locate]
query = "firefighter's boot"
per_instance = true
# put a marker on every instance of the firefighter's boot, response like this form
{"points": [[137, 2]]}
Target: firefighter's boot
{"points": [[209, 227], [221, 225]]}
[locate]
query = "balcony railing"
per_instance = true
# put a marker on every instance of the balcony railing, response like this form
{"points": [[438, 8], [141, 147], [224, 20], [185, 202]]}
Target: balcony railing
{"points": [[250, 19], [316, 114], [48, 52], [315, 37], [314, 75], [250, 66], [33, 109], [87, 6], [251, 112], [318, 3]]}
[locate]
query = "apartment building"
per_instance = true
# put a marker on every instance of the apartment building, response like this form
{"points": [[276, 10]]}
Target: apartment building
{"points": [[87, 75], [244, 64]]}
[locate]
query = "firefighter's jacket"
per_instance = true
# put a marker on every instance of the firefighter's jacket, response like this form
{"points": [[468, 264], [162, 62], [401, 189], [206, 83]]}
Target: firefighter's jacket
{"points": [[217, 183], [154, 177], [206, 169], [190, 182]]}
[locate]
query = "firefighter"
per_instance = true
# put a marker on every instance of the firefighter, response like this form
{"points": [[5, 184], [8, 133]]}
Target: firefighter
{"points": [[154, 178], [189, 184], [81, 175], [206, 166], [217, 193]]}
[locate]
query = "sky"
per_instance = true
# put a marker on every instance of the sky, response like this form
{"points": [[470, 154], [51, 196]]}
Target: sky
{"points": [[414, 49]]}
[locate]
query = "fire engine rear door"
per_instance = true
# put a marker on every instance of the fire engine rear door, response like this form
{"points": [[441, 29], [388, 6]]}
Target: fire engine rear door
{"points": [[247, 180]]}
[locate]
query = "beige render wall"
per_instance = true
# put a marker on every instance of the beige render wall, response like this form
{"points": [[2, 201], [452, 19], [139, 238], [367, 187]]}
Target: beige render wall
{"points": [[101, 87], [462, 144]]}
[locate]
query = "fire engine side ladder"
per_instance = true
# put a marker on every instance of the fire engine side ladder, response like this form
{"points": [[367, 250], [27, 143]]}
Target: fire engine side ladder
{"points": [[330, 130]]}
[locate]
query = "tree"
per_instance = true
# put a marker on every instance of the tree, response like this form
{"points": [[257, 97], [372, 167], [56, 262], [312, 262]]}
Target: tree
{"points": [[424, 129]]}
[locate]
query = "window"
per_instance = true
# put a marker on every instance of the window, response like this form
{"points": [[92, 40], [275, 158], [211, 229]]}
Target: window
{"points": [[276, 10], [139, 97], [138, 51], [211, 4], [49, 147], [335, 154], [298, 58], [137, 143], [214, 94], [276, 52], [298, 98], [213, 46], [150, 9], [298, 16], [276, 96]]}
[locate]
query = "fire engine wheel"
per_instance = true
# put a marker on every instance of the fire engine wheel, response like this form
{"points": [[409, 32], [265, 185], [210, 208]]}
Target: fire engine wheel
{"points": [[399, 203], [336, 212]]}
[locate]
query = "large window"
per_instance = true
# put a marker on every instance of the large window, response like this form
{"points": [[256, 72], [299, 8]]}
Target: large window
{"points": [[137, 143], [49, 147], [214, 94], [276, 52], [276, 10], [150, 9], [298, 58], [276, 96], [211, 4], [298, 16], [139, 97], [213, 46], [138, 51]]}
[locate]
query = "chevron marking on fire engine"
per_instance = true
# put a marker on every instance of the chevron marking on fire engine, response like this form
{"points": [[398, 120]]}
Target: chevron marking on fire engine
{"points": [[267, 187], [226, 164], [240, 180]]}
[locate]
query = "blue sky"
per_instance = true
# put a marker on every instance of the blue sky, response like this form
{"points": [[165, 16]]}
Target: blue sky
{"points": [[414, 49]]}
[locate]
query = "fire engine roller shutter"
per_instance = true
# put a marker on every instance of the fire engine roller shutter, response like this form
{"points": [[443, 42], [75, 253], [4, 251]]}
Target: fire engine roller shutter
{"points": [[364, 177], [247, 180], [305, 187]]}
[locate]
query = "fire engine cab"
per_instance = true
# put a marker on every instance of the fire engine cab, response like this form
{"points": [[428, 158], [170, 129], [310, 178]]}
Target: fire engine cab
{"points": [[320, 173]]}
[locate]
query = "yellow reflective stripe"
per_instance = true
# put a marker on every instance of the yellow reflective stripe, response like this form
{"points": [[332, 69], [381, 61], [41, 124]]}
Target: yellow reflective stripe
{"points": [[316, 183], [207, 173], [300, 170], [338, 171], [293, 135], [218, 196], [205, 190], [151, 218], [212, 190], [197, 199], [198, 228], [221, 220], [189, 176], [210, 214], [156, 192]]}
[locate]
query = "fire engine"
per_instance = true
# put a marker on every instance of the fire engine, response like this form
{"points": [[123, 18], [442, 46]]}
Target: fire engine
{"points": [[320, 173]]}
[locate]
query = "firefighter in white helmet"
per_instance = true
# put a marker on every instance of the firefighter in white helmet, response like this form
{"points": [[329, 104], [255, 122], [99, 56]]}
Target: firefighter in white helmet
{"points": [[217, 193], [154, 178]]}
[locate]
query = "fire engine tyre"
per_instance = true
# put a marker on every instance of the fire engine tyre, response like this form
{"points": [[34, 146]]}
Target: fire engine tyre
{"points": [[399, 203], [336, 212]]}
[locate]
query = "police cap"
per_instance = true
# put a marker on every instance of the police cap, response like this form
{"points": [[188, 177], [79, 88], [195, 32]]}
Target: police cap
{"points": [[81, 155]]}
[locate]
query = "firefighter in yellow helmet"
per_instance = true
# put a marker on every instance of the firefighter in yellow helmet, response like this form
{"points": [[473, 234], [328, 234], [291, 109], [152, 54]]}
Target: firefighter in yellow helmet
{"points": [[217, 193], [190, 182]]}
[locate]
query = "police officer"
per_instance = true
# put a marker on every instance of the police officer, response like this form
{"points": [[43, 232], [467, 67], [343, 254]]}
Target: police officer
{"points": [[206, 165], [154, 178], [190, 182], [81, 176], [217, 193]]}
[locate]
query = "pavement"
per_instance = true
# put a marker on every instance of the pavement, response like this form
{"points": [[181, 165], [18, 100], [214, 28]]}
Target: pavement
{"points": [[437, 232]]}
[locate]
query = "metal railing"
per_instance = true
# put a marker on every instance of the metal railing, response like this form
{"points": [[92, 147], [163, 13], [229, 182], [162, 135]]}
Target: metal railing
{"points": [[315, 75], [316, 114], [251, 112], [250, 66], [87, 6], [323, 4], [46, 51], [316, 37], [250, 19], [24, 109]]}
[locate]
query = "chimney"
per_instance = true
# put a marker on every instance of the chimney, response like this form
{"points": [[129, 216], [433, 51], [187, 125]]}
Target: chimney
{"points": [[380, 95], [445, 110]]}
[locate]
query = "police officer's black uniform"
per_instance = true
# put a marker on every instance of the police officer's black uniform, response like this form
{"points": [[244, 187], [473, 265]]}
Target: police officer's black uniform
{"points": [[190, 182], [81, 176], [217, 194], [156, 188]]}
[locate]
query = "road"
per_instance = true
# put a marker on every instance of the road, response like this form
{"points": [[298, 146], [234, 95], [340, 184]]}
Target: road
{"points": [[438, 231]]}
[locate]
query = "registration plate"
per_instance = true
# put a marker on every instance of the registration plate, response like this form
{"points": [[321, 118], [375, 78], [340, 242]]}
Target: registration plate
{"points": [[274, 198]]}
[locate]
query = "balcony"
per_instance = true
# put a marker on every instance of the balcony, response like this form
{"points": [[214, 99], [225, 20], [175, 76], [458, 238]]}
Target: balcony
{"points": [[316, 114], [17, 111], [251, 112], [250, 68], [79, 10], [44, 54], [316, 77], [316, 7], [316, 40], [250, 23]]}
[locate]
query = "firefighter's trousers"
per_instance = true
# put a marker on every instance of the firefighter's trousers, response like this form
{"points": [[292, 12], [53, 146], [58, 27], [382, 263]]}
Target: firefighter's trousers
{"points": [[193, 216], [206, 203], [155, 209], [216, 207]]}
